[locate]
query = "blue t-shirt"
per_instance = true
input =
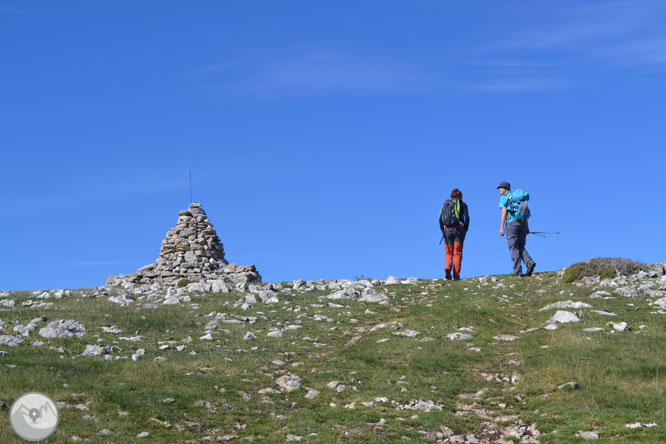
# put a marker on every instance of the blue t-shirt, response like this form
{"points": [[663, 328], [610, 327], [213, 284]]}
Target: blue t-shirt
{"points": [[503, 204]]}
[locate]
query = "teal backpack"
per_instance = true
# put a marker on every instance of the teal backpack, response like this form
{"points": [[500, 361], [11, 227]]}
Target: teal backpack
{"points": [[516, 205]]}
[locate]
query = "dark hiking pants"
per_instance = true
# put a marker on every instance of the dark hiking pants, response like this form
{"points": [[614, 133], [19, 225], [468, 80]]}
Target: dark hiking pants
{"points": [[516, 235]]}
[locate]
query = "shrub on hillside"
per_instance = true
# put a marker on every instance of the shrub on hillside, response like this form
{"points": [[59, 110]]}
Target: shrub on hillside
{"points": [[183, 283], [604, 267]]}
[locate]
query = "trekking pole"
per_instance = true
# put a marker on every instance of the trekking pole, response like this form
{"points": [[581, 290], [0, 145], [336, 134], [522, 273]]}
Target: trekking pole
{"points": [[543, 233], [440, 241]]}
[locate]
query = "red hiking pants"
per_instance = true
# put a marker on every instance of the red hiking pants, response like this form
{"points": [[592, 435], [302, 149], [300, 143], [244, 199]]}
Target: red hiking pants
{"points": [[454, 238]]}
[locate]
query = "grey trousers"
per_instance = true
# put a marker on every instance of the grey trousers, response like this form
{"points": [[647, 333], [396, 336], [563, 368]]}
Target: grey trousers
{"points": [[516, 236]]}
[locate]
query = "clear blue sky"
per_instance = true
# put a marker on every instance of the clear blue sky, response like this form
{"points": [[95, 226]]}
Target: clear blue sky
{"points": [[324, 136]]}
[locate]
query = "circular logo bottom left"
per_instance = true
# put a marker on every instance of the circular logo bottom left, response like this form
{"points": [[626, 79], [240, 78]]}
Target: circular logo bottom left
{"points": [[33, 416]]}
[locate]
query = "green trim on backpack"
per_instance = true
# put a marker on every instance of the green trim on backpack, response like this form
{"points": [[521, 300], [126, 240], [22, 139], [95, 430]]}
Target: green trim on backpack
{"points": [[450, 214]]}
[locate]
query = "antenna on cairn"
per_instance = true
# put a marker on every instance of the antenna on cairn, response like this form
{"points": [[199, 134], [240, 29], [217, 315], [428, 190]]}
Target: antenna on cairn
{"points": [[190, 168]]}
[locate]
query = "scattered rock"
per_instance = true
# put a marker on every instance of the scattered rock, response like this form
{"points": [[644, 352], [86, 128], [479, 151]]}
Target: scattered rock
{"points": [[563, 317], [569, 386], [407, 333], [337, 386], [588, 435], [288, 382], [603, 313], [124, 299], [457, 336], [628, 292], [63, 329], [619, 326], [311, 394], [12, 341], [506, 338], [566, 304], [640, 425]]}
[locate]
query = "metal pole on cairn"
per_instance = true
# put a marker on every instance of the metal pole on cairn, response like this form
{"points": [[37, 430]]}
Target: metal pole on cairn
{"points": [[190, 165]]}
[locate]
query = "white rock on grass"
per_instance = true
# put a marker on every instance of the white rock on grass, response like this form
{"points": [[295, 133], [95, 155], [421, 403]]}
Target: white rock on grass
{"points": [[371, 296], [336, 385], [593, 329], [392, 280], [660, 303], [640, 425], [63, 329], [312, 394], [425, 406], [123, 299], [96, 350], [566, 304], [11, 341], [138, 354], [563, 317], [507, 338], [111, 329], [457, 336], [551, 327], [407, 333], [288, 382], [219, 286], [603, 313], [171, 300], [619, 326], [628, 292], [249, 336], [588, 435], [25, 330], [274, 333]]}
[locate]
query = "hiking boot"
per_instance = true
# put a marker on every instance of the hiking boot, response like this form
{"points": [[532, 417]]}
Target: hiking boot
{"points": [[456, 278], [448, 275], [530, 269]]}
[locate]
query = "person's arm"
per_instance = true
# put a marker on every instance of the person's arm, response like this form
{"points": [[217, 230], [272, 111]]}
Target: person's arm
{"points": [[466, 216], [527, 225], [503, 221]]}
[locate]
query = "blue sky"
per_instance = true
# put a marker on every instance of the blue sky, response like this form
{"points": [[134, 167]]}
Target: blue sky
{"points": [[324, 136]]}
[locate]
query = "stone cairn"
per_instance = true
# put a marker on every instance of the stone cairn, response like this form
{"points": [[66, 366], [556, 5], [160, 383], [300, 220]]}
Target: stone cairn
{"points": [[191, 250]]}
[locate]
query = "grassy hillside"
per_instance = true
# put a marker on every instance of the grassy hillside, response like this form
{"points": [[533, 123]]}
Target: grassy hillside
{"points": [[361, 372]]}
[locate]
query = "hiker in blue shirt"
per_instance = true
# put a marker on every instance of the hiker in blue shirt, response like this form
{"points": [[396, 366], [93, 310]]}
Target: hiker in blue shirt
{"points": [[515, 218]]}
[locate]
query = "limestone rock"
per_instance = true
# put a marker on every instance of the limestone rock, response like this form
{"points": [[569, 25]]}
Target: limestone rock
{"points": [[457, 336], [563, 317], [63, 329], [12, 341], [289, 382], [566, 304]]}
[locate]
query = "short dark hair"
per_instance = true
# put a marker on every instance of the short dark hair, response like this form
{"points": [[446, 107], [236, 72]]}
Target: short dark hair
{"points": [[456, 194]]}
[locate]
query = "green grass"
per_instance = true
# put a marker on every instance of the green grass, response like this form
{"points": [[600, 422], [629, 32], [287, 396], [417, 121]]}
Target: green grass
{"points": [[621, 376]]}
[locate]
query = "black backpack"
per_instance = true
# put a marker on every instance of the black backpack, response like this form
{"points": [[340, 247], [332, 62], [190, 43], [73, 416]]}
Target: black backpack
{"points": [[450, 215]]}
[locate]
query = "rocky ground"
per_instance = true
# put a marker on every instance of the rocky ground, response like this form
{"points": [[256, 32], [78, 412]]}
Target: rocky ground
{"points": [[488, 359]]}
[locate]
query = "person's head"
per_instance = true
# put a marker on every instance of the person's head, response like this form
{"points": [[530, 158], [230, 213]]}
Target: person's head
{"points": [[456, 194], [503, 188]]}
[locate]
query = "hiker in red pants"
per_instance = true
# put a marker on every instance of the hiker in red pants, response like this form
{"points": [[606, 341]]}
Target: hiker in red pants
{"points": [[454, 223]]}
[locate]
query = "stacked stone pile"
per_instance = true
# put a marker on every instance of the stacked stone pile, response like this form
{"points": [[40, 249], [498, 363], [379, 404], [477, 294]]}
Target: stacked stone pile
{"points": [[191, 250]]}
